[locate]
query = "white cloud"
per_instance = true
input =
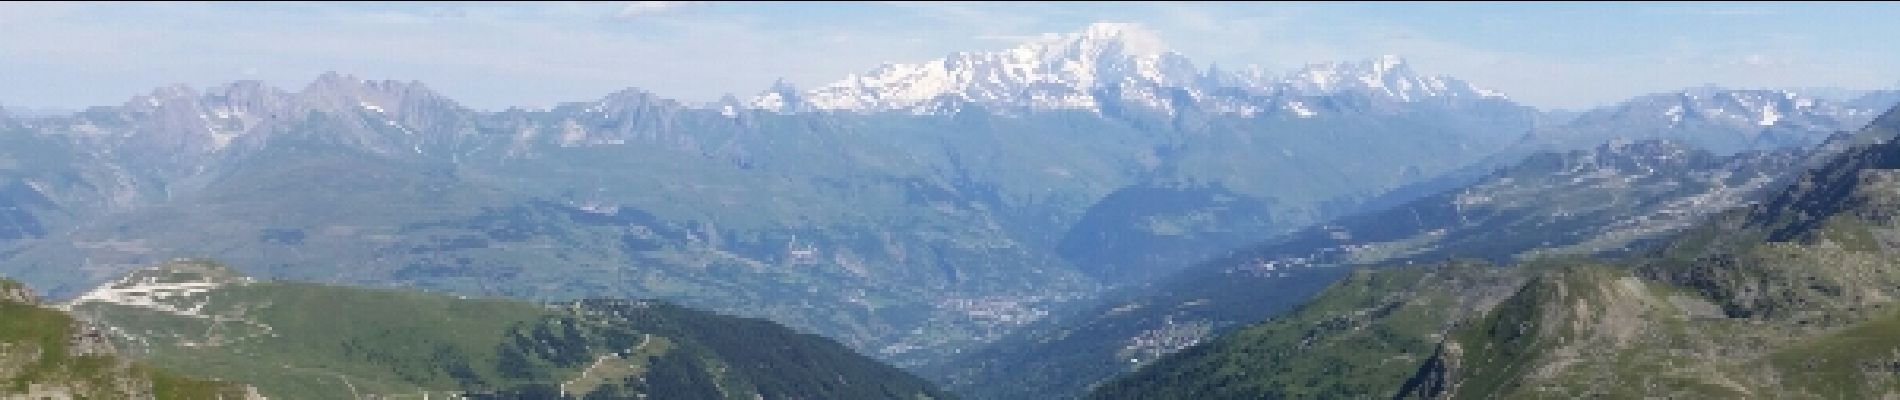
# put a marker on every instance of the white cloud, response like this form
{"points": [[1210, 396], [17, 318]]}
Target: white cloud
{"points": [[639, 9]]}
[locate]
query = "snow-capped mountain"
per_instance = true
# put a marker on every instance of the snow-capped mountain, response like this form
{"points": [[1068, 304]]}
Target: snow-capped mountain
{"points": [[1116, 65], [1719, 119], [1053, 72], [1386, 75], [1740, 107]]}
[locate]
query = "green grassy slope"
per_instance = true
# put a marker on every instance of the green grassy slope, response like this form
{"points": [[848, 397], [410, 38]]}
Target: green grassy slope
{"points": [[309, 341], [1790, 298], [37, 359], [1375, 327]]}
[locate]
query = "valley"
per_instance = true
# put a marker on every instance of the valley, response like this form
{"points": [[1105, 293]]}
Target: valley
{"points": [[1088, 214]]}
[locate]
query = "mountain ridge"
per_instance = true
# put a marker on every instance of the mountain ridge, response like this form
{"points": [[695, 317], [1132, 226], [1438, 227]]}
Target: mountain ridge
{"points": [[867, 227], [1782, 298], [1110, 65], [1612, 199]]}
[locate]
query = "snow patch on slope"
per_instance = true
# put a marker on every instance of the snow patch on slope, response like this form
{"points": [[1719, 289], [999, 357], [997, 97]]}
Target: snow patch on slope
{"points": [[159, 289]]}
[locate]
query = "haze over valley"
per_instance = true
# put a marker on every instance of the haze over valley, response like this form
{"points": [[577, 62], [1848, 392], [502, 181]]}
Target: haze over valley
{"points": [[1097, 212]]}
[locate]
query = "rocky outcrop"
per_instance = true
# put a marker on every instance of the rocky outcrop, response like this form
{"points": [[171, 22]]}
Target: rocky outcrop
{"points": [[14, 292], [1433, 379], [46, 353]]}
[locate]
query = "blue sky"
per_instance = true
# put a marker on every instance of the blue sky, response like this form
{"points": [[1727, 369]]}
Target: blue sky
{"points": [[495, 55]]}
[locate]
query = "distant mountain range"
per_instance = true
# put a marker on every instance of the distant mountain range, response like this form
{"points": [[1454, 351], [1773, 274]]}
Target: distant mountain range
{"points": [[864, 226], [1722, 120], [1110, 66], [912, 212]]}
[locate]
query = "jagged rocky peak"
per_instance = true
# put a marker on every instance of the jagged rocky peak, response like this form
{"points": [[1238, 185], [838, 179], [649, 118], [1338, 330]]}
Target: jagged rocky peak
{"points": [[632, 101], [215, 106], [1756, 107], [175, 96], [1386, 76], [182, 123], [1055, 71], [1106, 64], [241, 99], [179, 119], [782, 97], [334, 92], [1738, 107], [1331, 76], [1098, 40], [239, 94], [1721, 120], [242, 105], [251, 94]]}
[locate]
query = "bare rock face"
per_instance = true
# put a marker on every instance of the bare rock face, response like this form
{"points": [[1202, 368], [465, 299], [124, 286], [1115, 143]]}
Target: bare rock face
{"points": [[88, 340]]}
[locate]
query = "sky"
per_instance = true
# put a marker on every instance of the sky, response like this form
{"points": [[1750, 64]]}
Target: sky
{"points": [[494, 55]]}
